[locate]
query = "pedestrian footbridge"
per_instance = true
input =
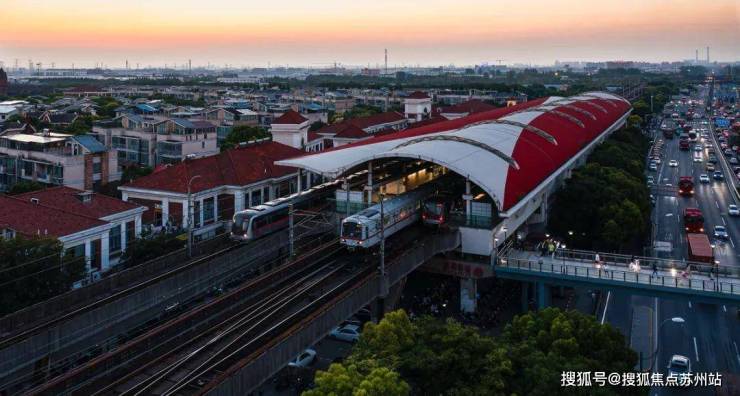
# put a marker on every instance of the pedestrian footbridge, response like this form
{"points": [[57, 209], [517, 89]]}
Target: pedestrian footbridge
{"points": [[654, 277]]}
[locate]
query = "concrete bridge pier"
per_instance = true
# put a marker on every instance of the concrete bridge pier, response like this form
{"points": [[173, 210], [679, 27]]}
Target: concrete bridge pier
{"points": [[525, 296], [468, 295], [543, 295]]}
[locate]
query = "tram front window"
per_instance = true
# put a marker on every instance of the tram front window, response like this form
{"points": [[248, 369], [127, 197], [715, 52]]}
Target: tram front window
{"points": [[352, 230], [241, 223], [434, 208]]}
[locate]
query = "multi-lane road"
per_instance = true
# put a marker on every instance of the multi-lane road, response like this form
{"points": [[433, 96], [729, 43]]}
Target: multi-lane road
{"points": [[710, 334]]}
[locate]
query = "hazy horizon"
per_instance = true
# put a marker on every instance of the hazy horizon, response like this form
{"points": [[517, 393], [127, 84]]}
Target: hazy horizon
{"points": [[295, 33]]}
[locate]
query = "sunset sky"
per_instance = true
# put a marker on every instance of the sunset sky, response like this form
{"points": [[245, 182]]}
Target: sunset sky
{"points": [[355, 32]]}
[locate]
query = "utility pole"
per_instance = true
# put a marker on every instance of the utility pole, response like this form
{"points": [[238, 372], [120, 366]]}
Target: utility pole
{"points": [[383, 292], [291, 234]]}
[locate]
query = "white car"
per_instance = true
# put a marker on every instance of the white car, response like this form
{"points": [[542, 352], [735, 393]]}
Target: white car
{"points": [[673, 163], [698, 148], [732, 210], [704, 178], [678, 365], [304, 359], [347, 332], [720, 232]]}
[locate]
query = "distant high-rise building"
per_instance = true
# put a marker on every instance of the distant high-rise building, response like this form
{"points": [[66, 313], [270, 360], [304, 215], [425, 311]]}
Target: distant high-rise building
{"points": [[3, 83]]}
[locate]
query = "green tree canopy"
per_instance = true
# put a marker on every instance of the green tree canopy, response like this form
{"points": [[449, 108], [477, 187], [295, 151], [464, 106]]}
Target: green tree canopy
{"points": [[447, 358], [24, 187], [33, 270], [364, 379], [243, 133]]}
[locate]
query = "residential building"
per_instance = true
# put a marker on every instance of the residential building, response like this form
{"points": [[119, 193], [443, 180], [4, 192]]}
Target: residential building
{"points": [[51, 158], [227, 182], [152, 140], [356, 129], [6, 112], [94, 226], [418, 106], [464, 109], [291, 129]]}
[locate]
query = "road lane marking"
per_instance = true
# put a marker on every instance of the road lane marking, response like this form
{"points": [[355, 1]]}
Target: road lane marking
{"points": [[689, 304], [732, 243], [696, 350], [737, 353], [723, 220], [716, 203], [606, 306], [724, 308]]}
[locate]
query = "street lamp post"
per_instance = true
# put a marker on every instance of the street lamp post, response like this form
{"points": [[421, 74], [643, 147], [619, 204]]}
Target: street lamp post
{"points": [[190, 217], [384, 286], [654, 356]]}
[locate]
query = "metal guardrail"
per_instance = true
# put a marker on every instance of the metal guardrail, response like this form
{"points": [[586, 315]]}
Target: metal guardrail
{"points": [[727, 284]]}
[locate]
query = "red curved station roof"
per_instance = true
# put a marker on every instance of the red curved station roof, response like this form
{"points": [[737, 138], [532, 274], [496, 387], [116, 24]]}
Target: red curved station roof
{"points": [[508, 152]]}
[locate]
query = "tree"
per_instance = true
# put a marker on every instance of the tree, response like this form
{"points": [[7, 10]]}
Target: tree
{"points": [[634, 121], [131, 173], [24, 187], [144, 249], [243, 133], [33, 270], [316, 126], [364, 379], [544, 344]]}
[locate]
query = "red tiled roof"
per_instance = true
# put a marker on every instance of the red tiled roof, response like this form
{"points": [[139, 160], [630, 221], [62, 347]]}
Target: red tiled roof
{"points": [[290, 117], [418, 95], [67, 199], [443, 125], [31, 219], [470, 107], [352, 132], [313, 136], [363, 122], [236, 167]]}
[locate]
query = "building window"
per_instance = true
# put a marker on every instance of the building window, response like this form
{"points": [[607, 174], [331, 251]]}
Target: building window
{"points": [[208, 210], [96, 167], [256, 198], [114, 239]]}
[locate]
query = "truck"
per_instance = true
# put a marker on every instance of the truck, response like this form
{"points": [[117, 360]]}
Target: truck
{"points": [[686, 186], [693, 220], [700, 250]]}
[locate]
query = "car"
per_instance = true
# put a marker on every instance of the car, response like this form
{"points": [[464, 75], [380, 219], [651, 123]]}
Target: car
{"points": [[733, 160], [717, 175], [678, 365], [653, 166], [710, 167], [656, 159], [348, 333], [736, 169], [712, 159], [698, 157], [707, 145], [698, 148], [720, 232], [652, 199], [732, 210], [673, 163], [727, 152], [704, 178], [650, 181], [304, 359]]}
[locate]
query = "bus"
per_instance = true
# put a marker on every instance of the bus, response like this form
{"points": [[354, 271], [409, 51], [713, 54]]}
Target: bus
{"points": [[693, 220]]}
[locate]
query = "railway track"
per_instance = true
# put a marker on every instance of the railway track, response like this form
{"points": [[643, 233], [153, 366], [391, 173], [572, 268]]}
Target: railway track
{"points": [[137, 353], [172, 373]]}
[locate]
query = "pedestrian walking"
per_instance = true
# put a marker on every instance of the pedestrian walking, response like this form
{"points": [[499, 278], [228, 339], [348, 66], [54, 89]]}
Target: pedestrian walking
{"points": [[655, 269]]}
